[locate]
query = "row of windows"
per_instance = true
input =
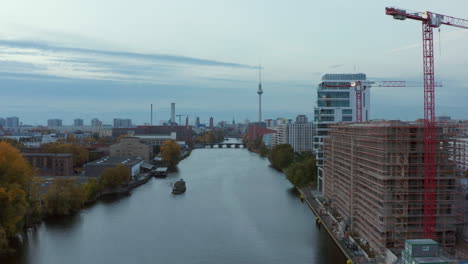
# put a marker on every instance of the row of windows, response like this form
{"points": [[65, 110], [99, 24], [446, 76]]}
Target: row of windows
{"points": [[333, 95], [324, 111], [333, 103]]}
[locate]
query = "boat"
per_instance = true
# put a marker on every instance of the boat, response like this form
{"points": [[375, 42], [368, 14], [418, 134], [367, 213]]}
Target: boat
{"points": [[179, 187]]}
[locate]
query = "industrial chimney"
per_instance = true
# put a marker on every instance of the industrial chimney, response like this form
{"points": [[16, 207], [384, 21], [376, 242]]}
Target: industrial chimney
{"points": [[172, 113]]}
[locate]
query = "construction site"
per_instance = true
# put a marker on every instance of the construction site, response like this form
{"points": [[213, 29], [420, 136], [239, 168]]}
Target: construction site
{"points": [[376, 187]]}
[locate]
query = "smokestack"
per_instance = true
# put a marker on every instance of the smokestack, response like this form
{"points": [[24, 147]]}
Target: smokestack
{"points": [[172, 113], [151, 115]]}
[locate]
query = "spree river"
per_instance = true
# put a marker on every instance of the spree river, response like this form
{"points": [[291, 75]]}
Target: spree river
{"points": [[236, 210]]}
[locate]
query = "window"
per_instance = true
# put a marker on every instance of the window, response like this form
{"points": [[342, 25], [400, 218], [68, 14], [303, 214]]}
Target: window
{"points": [[347, 118], [333, 103], [364, 99], [323, 95], [347, 111]]}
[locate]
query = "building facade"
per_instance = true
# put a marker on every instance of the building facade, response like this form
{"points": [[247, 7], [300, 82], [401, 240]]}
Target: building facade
{"points": [[131, 147], [51, 164], [183, 133], [12, 122], [336, 102], [374, 183], [122, 123], [95, 168], [54, 123], [300, 136], [78, 122]]}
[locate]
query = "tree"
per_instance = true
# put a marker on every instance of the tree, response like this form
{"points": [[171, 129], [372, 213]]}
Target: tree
{"points": [[281, 156], [170, 152], [64, 197], [80, 154], [15, 177], [302, 173], [91, 189], [113, 177]]}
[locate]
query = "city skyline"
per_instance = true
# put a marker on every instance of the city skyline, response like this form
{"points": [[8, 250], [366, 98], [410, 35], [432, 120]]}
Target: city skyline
{"points": [[171, 56]]}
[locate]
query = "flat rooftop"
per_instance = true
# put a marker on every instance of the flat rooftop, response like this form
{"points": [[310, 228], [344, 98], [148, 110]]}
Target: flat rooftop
{"points": [[48, 154], [112, 161]]}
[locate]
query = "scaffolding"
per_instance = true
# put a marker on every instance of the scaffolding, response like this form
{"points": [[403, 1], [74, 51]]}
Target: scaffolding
{"points": [[374, 181]]}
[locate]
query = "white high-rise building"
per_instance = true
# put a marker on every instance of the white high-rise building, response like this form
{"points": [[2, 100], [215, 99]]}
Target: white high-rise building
{"points": [[122, 123], [300, 136], [336, 102]]}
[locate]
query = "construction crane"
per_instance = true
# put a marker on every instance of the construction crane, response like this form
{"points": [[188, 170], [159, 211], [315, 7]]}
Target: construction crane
{"points": [[429, 21], [361, 86]]}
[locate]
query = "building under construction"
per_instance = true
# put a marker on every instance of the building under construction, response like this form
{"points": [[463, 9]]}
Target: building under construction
{"points": [[374, 183]]}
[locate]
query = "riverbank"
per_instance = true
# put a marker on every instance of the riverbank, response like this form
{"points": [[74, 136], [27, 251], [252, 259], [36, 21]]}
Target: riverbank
{"points": [[346, 243]]}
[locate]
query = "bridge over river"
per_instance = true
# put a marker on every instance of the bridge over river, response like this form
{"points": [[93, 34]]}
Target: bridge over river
{"points": [[220, 145]]}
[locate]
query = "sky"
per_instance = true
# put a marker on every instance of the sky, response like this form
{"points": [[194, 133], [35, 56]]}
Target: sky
{"points": [[113, 58]]}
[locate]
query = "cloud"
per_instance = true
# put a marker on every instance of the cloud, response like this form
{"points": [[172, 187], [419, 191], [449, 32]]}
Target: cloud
{"points": [[151, 57]]}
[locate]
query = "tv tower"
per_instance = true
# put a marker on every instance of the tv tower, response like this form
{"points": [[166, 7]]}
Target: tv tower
{"points": [[259, 92]]}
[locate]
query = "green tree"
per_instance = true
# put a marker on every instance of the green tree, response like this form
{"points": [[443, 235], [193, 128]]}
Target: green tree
{"points": [[64, 197], [302, 173], [170, 152], [91, 189], [113, 177], [281, 156]]}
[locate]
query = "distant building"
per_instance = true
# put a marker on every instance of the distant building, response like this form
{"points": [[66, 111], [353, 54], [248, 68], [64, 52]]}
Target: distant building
{"points": [[156, 140], [131, 147], [257, 130], [268, 139], [301, 119], [183, 133], [2, 122], [96, 123], [197, 122], [95, 168], [300, 136], [211, 122], [78, 122], [54, 123], [443, 119], [336, 102], [12, 122], [122, 123], [51, 164]]}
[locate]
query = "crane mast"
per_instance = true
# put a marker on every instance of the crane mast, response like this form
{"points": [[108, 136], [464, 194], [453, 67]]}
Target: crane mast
{"points": [[429, 21]]}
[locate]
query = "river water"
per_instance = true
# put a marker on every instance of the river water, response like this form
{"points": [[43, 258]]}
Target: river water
{"points": [[236, 210]]}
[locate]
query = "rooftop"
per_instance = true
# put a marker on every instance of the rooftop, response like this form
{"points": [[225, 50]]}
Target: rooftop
{"points": [[112, 161], [48, 154]]}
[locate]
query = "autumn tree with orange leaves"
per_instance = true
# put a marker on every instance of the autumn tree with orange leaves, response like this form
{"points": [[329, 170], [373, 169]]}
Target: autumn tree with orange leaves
{"points": [[16, 177]]}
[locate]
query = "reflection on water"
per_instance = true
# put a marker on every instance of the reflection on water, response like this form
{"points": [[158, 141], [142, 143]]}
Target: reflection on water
{"points": [[236, 210]]}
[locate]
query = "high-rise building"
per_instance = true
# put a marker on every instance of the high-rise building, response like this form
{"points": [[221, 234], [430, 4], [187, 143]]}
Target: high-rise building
{"points": [[211, 122], [2, 122], [96, 123], [301, 119], [12, 122], [197, 122], [122, 123], [336, 102], [375, 181], [54, 122], [300, 134], [78, 122]]}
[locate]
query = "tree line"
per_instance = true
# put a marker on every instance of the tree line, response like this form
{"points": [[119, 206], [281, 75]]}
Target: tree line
{"points": [[22, 204], [300, 168]]}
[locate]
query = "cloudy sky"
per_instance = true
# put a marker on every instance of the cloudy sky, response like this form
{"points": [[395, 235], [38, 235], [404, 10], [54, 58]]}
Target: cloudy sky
{"points": [[113, 58]]}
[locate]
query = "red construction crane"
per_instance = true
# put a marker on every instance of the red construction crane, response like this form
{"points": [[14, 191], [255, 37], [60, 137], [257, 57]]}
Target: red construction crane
{"points": [[429, 21], [361, 86]]}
